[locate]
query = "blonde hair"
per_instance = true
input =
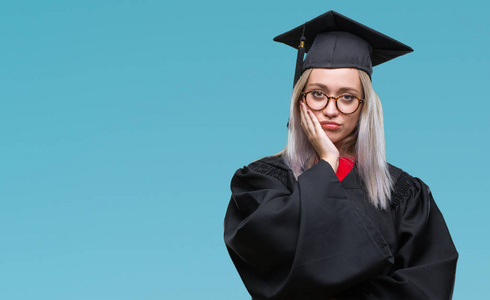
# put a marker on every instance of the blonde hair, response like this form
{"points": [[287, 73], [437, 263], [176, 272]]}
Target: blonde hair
{"points": [[366, 143]]}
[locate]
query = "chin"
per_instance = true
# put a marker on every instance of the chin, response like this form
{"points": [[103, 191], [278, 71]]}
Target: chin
{"points": [[333, 137]]}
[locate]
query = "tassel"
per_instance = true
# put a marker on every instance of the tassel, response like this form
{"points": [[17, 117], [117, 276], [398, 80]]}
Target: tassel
{"points": [[299, 60], [300, 57]]}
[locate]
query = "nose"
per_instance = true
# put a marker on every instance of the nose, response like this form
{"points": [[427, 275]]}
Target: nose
{"points": [[331, 109]]}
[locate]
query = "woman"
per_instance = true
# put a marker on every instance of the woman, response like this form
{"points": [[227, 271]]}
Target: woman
{"points": [[328, 217]]}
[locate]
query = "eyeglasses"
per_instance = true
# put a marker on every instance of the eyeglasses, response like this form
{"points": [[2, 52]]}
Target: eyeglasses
{"points": [[317, 100]]}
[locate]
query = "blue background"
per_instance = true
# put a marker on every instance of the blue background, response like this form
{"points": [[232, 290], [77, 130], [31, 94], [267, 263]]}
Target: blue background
{"points": [[122, 123]]}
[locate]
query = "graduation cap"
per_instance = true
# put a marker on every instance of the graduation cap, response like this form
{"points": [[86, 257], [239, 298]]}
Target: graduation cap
{"points": [[334, 41]]}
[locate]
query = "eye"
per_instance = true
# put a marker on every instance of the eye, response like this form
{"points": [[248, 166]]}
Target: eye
{"points": [[348, 97], [318, 94]]}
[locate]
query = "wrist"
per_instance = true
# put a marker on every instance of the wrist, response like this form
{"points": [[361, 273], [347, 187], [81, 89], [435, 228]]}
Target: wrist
{"points": [[333, 161]]}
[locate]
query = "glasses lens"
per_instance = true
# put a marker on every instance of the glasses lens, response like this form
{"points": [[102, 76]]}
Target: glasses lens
{"points": [[347, 104], [316, 100]]}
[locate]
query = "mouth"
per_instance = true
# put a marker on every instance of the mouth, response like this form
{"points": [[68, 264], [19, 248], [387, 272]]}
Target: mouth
{"points": [[330, 125]]}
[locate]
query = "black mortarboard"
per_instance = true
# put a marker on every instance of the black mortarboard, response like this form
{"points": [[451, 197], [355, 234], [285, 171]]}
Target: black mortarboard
{"points": [[335, 41]]}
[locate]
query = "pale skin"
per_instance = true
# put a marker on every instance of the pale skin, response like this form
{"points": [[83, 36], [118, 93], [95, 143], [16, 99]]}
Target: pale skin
{"points": [[327, 139]]}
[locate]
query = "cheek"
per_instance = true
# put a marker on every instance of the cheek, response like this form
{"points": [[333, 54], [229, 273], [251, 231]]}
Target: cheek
{"points": [[318, 114], [351, 121]]}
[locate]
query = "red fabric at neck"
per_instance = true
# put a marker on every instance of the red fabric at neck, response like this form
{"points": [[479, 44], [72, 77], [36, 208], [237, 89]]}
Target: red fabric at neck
{"points": [[345, 166]]}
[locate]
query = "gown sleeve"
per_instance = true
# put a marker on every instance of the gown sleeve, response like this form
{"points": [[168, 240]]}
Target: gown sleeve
{"points": [[425, 262], [300, 239]]}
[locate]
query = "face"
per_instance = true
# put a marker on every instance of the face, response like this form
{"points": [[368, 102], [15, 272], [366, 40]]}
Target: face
{"points": [[336, 82]]}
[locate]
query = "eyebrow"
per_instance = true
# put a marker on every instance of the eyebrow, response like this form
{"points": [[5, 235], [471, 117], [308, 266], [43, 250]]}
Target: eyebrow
{"points": [[341, 90]]}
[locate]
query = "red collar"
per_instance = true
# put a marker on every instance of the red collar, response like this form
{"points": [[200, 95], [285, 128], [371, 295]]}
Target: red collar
{"points": [[345, 166]]}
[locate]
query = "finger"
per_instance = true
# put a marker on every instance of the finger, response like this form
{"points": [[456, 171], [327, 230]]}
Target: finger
{"points": [[304, 119], [307, 118], [309, 121], [315, 125], [302, 115]]}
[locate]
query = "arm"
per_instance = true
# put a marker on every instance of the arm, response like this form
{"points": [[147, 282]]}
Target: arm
{"points": [[425, 263], [302, 237]]}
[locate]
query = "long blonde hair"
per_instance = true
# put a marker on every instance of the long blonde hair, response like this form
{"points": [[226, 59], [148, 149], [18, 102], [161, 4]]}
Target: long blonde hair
{"points": [[366, 143]]}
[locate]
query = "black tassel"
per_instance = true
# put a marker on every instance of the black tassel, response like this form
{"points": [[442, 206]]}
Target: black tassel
{"points": [[300, 57], [299, 60]]}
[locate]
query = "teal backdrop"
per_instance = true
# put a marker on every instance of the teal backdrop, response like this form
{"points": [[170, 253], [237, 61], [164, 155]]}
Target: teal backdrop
{"points": [[122, 123]]}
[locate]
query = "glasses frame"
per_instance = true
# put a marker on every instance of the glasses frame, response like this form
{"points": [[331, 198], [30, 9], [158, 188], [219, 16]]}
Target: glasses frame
{"points": [[359, 101]]}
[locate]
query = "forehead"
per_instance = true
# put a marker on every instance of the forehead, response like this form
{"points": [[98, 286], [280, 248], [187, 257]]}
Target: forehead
{"points": [[335, 79]]}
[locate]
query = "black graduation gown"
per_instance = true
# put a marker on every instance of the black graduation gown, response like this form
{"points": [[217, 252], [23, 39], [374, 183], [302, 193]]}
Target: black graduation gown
{"points": [[317, 237]]}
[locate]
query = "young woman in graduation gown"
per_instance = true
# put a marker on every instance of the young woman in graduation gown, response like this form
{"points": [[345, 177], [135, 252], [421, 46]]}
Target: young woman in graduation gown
{"points": [[328, 218]]}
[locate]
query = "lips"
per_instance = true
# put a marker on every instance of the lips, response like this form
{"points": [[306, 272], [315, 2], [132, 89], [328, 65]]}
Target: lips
{"points": [[330, 125]]}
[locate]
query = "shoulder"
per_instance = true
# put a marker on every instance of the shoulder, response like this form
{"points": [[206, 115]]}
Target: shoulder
{"points": [[406, 188], [273, 166], [269, 162]]}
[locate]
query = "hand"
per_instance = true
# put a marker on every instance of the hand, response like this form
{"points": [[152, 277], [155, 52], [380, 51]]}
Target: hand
{"points": [[324, 147]]}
